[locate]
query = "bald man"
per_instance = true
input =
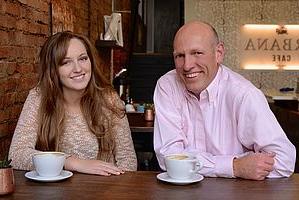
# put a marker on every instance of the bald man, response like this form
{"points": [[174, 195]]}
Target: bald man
{"points": [[205, 109]]}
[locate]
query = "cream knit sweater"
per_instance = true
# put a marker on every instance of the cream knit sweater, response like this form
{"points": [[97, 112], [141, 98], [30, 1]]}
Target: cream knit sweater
{"points": [[77, 140]]}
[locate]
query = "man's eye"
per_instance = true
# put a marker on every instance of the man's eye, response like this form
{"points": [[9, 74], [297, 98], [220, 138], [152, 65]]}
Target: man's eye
{"points": [[198, 53]]}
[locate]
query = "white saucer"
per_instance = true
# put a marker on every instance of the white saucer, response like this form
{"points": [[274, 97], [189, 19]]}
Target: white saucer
{"points": [[164, 177], [34, 176]]}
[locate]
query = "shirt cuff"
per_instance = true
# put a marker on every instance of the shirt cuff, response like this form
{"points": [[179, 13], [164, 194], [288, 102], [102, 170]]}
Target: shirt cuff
{"points": [[224, 166]]}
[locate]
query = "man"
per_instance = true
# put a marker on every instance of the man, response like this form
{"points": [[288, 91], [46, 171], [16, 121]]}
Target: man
{"points": [[206, 109]]}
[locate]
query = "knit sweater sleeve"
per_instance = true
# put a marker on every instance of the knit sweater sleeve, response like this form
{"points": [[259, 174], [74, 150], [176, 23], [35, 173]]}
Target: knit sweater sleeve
{"points": [[24, 139], [124, 152]]}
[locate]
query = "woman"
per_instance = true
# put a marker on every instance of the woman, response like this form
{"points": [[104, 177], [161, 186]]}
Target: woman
{"points": [[74, 109]]}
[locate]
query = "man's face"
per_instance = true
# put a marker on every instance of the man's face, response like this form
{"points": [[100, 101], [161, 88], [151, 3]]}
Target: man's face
{"points": [[196, 56]]}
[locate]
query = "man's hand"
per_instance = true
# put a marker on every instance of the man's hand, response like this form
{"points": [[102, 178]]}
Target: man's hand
{"points": [[254, 166]]}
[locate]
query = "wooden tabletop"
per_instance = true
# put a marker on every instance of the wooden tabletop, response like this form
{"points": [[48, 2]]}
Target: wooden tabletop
{"points": [[144, 185], [138, 124]]}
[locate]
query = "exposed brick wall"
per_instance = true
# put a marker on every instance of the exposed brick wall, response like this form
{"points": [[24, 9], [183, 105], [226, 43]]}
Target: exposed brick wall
{"points": [[85, 17], [24, 26], [100, 8]]}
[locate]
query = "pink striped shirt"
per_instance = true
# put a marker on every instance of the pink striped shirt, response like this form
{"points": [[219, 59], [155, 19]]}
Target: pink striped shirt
{"points": [[231, 119]]}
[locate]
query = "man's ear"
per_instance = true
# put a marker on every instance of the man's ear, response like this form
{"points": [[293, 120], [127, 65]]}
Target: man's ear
{"points": [[220, 52]]}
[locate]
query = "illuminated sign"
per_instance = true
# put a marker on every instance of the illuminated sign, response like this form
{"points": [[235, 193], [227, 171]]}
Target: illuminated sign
{"points": [[270, 47]]}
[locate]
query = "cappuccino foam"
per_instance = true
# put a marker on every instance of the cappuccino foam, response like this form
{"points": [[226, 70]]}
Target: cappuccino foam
{"points": [[178, 157]]}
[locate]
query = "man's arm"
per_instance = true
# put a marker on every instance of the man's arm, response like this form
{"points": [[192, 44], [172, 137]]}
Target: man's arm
{"points": [[259, 130], [169, 136]]}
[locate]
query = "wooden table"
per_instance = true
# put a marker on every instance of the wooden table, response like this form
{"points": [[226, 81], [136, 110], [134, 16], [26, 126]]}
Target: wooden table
{"points": [[144, 185]]}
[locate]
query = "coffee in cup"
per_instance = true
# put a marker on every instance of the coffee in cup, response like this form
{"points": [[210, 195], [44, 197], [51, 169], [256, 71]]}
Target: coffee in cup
{"points": [[48, 164], [182, 166], [178, 157]]}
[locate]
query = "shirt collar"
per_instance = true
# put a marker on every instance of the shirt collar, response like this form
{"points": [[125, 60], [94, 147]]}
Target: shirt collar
{"points": [[210, 93]]}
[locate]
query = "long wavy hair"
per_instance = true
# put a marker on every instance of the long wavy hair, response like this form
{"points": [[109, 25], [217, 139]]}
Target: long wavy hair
{"points": [[95, 101]]}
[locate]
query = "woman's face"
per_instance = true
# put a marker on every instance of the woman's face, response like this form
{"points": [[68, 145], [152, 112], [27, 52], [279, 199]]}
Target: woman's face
{"points": [[75, 71]]}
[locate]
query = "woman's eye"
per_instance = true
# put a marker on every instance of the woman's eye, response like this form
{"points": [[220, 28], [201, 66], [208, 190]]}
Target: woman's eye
{"points": [[179, 56], [84, 58], [66, 62]]}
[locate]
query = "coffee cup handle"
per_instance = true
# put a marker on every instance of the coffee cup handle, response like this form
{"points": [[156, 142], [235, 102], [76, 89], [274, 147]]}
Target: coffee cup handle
{"points": [[198, 166]]}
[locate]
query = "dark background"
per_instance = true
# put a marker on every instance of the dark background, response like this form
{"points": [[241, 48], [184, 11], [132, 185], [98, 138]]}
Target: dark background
{"points": [[145, 67]]}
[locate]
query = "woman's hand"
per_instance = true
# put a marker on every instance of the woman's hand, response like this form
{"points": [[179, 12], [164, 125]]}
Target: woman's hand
{"points": [[97, 167]]}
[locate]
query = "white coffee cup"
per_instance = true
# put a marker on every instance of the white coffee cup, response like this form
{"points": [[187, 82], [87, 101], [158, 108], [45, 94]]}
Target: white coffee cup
{"points": [[48, 164], [182, 166]]}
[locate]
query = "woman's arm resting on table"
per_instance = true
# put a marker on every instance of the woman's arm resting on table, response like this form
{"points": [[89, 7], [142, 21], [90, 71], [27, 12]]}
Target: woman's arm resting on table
{"points": [[97, 167]]}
